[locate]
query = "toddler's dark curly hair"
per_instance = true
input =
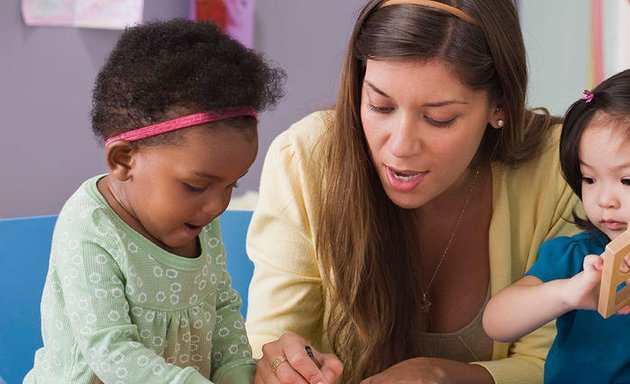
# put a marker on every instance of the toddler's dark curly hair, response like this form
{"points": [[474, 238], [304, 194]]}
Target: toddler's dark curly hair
{"points": [[164, 69]]}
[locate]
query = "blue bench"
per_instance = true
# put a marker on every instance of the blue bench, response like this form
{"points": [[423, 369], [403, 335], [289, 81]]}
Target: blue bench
{"points": [[24, 253]]}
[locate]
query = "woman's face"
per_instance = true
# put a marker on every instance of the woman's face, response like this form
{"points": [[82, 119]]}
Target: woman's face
{"points": [[423, 128]]}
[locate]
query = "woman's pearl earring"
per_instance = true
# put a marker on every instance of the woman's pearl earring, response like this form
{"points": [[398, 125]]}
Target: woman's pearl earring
{"points": [[500, 122]]}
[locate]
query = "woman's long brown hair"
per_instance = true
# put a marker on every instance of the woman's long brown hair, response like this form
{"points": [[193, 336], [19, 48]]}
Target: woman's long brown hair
{"points": [[367, 246]]}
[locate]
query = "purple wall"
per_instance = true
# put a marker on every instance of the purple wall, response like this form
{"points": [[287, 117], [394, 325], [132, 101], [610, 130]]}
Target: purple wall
{"points": [[46, 75]]}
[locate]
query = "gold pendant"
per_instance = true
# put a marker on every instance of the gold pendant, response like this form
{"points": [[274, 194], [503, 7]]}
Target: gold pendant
{"points": [[426, 303]]}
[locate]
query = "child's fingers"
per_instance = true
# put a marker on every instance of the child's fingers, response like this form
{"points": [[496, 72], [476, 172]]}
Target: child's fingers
{"points": [[624, 310], [592, 274], [593, 262]]}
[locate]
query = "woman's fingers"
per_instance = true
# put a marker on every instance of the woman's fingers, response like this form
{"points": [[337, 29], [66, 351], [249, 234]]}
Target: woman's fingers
{"points": [[278, 371], [287, 361], [330, 366], [264, 374], [272, 359], [295, 349], [287, 374]]}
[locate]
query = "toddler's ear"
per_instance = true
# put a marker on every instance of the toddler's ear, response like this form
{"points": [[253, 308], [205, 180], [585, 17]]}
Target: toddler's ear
{"points": [[119, 158]]}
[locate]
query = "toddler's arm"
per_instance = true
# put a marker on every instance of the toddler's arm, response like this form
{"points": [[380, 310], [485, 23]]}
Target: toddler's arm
{"points": [[529, 303]]}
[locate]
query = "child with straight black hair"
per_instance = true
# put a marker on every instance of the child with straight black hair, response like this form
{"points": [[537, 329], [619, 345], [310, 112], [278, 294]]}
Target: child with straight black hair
{"points": [[137, 289], [564, 281]]}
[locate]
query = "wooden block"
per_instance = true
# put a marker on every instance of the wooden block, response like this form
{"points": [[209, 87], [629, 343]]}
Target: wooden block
{"points": [[611, 300]]}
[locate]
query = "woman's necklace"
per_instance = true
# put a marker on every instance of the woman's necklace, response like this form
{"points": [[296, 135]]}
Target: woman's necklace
{"points": [[426, 300]]}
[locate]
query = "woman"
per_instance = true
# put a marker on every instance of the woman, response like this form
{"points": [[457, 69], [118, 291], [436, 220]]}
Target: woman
{"points": [[384, 226]]}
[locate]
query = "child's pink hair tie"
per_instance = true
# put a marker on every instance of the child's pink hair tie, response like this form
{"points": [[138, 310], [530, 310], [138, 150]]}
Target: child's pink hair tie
{"points": [[588, 95], [181, 122]]}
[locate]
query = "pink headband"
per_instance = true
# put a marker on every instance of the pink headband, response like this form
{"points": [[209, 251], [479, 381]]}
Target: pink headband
{"points": [[181, 122]]}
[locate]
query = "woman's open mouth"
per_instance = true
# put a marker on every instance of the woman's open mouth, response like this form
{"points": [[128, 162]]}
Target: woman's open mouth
{"points": [[404, 181]]}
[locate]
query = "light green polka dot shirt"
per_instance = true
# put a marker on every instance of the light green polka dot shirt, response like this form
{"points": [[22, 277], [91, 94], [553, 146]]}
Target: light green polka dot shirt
{"points": [[117, 308]]}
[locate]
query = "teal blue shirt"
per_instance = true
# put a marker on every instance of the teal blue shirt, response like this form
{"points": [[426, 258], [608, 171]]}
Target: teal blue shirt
{"points": [[588, 348], [117, 308]]}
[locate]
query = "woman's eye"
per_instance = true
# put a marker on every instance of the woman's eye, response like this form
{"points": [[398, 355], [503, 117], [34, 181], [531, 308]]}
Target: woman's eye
{"points": [[587, 180], [440, 123], [625, 181], [382, 110]]}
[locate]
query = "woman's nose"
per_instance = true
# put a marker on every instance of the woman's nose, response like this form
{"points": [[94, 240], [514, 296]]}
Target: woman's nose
{"points": [[404, 139]]}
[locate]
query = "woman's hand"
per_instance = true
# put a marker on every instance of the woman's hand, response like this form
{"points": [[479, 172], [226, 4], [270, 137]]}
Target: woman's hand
{"points": [[426, 370], [286, 361]]}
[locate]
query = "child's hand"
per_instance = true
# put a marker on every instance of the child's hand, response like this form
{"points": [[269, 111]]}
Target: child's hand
{"points": [[624, 267], [585, 285], [583, 290]]}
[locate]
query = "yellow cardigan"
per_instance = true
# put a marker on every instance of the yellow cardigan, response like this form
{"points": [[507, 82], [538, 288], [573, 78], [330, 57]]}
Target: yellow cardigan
{"points": [[530, 205]]}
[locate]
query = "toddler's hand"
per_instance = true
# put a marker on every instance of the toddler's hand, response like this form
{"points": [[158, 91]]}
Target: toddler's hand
{"points": [[584, 288], [587, 295], [624, 267], [593, 266]]}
